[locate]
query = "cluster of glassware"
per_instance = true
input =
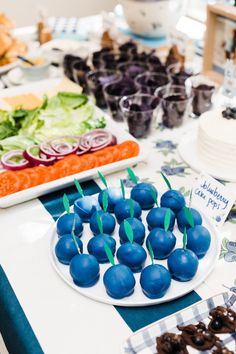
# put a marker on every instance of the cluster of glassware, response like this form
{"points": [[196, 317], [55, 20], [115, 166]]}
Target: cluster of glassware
{"points": [[136, 87]]}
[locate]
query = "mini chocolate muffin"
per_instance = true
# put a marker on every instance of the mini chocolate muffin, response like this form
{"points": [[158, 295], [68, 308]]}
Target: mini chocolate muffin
{"points": [[222, 320], [171, 343], [198, 336], [222, 350]]}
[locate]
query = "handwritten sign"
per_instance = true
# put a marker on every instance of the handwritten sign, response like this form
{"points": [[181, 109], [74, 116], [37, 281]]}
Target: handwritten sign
{"points": [[213, 198]]}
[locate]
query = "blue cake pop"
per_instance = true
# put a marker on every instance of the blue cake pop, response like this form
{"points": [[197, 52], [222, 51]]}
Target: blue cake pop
{"points": [[156, 216], [108, 222], [182, 264], [96, 247], [65, 224], [122, 210], [130, 253], [114, 194], [85, 206], [143, 193], [138, 230], [155, 279], [118, 280], [66, 248], [125, 207], [173, 199], [162, 242], [199, 240], [84, 269], [184, 219]]}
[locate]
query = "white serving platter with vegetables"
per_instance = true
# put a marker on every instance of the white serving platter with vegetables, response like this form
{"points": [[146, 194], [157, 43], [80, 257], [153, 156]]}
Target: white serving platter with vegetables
{"points": [[177, 289], [55, 123]]}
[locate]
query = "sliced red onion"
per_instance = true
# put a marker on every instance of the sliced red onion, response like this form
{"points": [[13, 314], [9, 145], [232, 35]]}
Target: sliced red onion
{"points": [[40, 159], [58, 147], [84, 145], [8, 164], [99, 139]]}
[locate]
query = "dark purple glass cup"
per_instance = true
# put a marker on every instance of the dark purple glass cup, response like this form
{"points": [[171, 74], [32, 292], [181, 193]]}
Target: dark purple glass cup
{"points": [[128, 47], [203, 90], [67, 63], [79, 71], [96, 80], [111, 60], [175, 103], [140, 112], [132, 69], [149, 82], [97, 58], [113, 93], [179, 73]]}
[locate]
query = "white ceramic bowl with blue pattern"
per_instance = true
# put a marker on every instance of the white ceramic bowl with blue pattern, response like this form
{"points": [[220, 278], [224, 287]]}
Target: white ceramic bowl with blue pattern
{"points": [[152, 18]]}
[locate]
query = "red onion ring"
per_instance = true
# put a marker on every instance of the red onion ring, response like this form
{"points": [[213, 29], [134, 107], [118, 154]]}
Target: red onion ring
{"points": [[13, 165], [99, 139], [40, 159], [54, 147]]}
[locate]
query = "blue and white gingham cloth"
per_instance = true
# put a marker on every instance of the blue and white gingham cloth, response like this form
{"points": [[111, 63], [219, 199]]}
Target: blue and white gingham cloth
{"points": [[144, 341]]}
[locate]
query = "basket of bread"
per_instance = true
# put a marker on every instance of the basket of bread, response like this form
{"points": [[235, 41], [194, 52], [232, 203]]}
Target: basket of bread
{"points": [[10, 46]]}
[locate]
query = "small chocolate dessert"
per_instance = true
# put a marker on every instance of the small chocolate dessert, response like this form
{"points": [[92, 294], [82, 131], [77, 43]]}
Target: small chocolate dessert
{"points": [[171, 343], [198, 336], [229, 113], [223, 320], [202, 95], [222, 350]]}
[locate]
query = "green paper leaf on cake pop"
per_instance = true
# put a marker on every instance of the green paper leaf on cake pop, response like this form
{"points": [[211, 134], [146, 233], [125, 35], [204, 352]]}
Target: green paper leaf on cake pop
{"points": [[166, 180], [190, 198], [154, 196], [78, 187], [66, 203], [104, 201], [131, 207], [99, 222], [185, 238], [102, 178], [189, 216], [73, 236], [150, 251], [122, 188], [129, 231], [167, 219], [109, 254], [132, 175]]}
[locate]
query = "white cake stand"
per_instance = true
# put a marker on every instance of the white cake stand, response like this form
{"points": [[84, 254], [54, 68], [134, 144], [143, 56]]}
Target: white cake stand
{"points": [[189, 153]]}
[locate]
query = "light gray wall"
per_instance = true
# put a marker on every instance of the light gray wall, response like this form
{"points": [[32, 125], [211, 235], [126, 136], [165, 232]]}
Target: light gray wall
{"points": [[24, 12]]}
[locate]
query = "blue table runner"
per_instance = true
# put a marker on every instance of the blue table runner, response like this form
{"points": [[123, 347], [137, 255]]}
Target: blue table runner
{"points": [[15, 328]]}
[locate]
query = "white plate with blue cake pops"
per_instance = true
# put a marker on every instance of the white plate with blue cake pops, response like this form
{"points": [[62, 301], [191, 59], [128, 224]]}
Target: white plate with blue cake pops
{"points": [[177, 289]]}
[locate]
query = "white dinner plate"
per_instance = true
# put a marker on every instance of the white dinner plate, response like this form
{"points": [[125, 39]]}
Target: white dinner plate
{"points": [[189, 153], [5, 68], [16, 76], [114, 127], [176, 290], [144, 340]]}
